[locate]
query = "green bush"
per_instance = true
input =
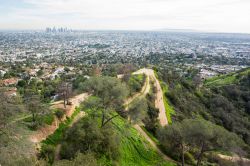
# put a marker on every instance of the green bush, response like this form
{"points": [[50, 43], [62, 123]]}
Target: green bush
{"points": [[48, 153], [59, 114], [189, 158]]}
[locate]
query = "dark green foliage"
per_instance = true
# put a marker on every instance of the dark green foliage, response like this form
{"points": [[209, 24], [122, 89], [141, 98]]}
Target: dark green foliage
{"points": [[59, 114], [39, 111], [151, 121], [22, 161], [48, 153], [138, 110], [40, 73], [88, 159], [57, 136], [136, 83], [109, 94], [21, 83], [78, 82], [225, 105], [86, 135], [200, 135]]}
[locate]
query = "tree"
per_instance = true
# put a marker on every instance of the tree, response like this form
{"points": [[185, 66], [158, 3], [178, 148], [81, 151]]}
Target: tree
{"points": [[40, 73], [174, 136], [209, 137], [151, 121], [86, 136], [87, 158], [20, 160], [138, 110], [198, 134], [65, 90], [35, 106], [21, 83], [9, 106], [109, 94]]}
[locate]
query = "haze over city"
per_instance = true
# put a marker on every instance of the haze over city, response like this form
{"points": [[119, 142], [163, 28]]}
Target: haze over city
{"points": [[124, 82], [200, 15]]}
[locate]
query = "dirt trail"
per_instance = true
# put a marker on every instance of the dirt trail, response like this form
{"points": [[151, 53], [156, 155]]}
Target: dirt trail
{"points": [[44, 132], [234, 158], [145, 89], [152, 143], [159, 103]]}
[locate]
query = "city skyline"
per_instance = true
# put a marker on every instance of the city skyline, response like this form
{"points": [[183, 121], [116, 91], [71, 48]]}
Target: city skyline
{"points": [[201, 15]]}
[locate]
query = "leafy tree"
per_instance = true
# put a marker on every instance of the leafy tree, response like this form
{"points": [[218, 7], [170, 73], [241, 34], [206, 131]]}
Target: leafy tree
{"points": [[87, 136], [9, 106], [9, 160], [174, 136], [87, 158], [209, 137], [21, 83], [78, 82], [47, 153], [151, 121], [40, 73], [138, 110], [35, 106], [59, 113], [198, 134], [109, 94]]}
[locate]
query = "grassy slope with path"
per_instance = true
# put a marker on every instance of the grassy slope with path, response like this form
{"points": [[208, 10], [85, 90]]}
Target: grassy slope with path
{"points": [[145, 90], [169, 108], [226, 79], [135, 148]]}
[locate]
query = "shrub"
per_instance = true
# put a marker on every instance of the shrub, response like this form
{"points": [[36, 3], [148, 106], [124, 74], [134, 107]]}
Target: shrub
{"points": [[48, 153], [59, 114]]}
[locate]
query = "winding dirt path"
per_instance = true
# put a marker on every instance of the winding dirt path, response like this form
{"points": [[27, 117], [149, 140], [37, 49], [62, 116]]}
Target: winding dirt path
{"points": [[159, 103], [145, 89], [43, 133]]}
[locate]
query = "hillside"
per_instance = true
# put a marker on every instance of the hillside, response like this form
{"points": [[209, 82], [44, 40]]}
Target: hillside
{"points": [[223, 100], [132, 149], [228, 79]]}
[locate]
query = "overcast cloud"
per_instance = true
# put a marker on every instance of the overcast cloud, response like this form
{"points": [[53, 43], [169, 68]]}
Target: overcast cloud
{"points": [[203, 15]]}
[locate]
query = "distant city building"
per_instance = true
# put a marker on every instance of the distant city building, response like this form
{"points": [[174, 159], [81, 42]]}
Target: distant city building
{"points": [[57, 30]]}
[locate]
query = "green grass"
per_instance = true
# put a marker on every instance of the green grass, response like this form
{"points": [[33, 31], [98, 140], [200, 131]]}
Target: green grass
{"points": [[134, 149], [57, 136], [46, 119], [169, 109], [221, 80], [152, 137], [226, 79]]}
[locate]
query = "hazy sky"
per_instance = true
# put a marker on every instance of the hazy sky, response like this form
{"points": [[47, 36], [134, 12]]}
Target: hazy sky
{"points": [[203, 15]]}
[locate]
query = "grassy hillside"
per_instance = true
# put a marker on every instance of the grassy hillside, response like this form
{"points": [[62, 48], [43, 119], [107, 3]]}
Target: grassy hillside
{"points": [[223, 100], [134, 149], [231, 78]]}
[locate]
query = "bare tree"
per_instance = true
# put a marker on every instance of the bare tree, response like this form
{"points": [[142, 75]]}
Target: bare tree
{"points": [[65, 90]]}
